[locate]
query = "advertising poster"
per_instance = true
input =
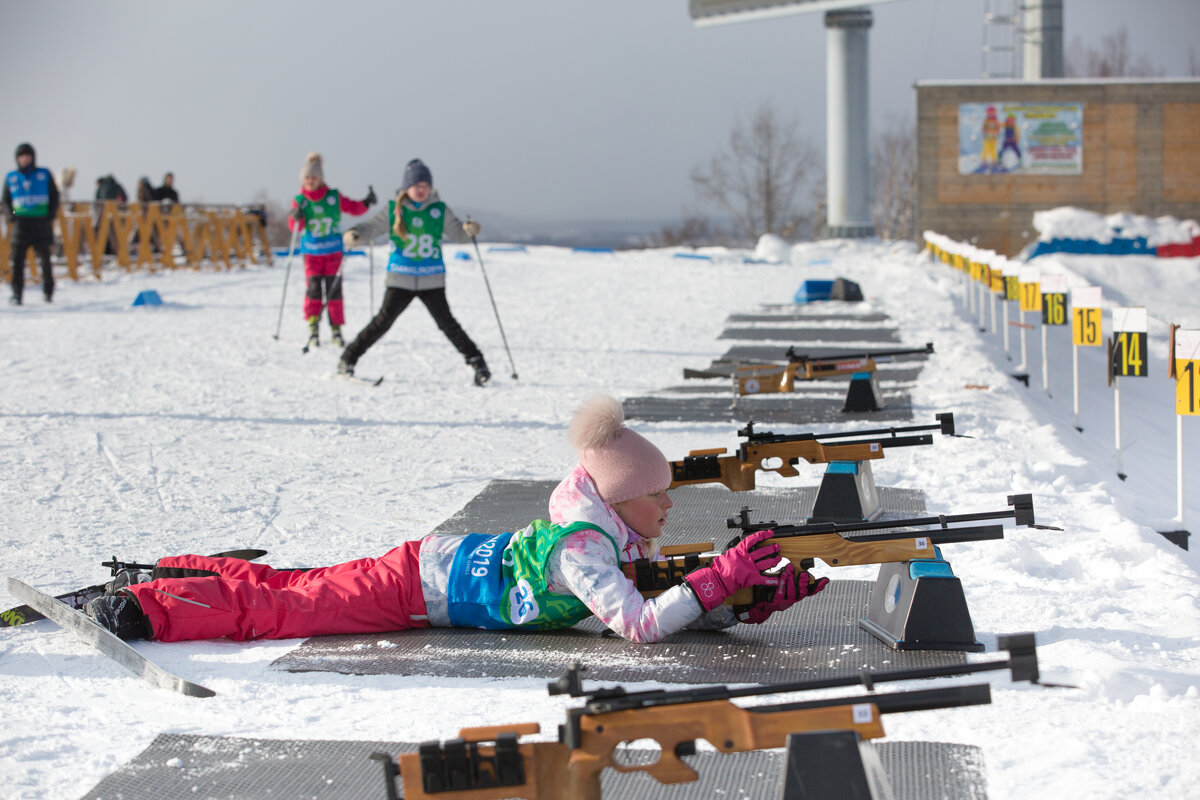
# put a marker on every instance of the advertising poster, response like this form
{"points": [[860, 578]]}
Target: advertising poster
{"points": [[1020, 138]]}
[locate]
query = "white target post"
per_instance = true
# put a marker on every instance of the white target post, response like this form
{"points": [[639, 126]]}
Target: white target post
{"points": [[1054, 313], [982, 273], [1029, 280], [1012, 294], [1129, 359], [1186, 370], [1086, 331], [997, 291]]}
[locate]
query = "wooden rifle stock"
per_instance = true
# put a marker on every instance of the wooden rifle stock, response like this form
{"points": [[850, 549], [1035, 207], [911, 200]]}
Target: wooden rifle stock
{"points": [[760, 451], [490, 763], [771, 378]]}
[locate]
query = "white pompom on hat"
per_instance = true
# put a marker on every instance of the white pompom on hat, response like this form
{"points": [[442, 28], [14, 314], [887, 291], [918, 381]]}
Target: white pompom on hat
{"points": [[312, 166], [623, 464]]}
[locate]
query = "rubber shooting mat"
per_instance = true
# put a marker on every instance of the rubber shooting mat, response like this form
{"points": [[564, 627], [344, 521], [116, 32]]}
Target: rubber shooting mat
{"points": [[818, 638], [699, 514], [799, 336], [181, 767], [801, 316], [795, 408]]}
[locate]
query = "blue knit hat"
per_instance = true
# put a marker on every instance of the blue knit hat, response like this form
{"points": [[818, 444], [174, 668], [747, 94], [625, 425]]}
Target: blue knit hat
{"points": [[416, 172]]}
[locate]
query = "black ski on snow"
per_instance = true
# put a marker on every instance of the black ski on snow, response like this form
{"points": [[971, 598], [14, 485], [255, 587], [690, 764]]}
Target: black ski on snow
{"points": [[78, 598], [91, 632]]}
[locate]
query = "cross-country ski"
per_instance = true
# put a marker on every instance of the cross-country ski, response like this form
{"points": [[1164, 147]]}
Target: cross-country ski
{"points": [[88, 631]]}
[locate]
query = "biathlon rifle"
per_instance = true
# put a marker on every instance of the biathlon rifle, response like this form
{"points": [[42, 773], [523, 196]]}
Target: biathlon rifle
{"points": [[490, 762], [770, 378], [759, 451], [804, 544]]}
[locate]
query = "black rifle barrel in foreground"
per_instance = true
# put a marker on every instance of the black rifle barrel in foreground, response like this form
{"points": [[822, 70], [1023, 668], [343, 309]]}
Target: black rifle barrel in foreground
{"points": [[1021, 662]]}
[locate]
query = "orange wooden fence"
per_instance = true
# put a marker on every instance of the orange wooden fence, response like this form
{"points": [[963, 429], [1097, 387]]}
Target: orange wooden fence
{"points": [[148, 236]]}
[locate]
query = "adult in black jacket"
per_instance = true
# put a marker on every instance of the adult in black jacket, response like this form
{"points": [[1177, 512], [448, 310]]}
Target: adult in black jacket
{"points": [[30, 201], [167, 190]]}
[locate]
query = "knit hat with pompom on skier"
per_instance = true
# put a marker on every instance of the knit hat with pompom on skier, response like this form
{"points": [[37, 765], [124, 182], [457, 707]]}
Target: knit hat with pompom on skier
{"points": [[312, 166], [622, 463]]}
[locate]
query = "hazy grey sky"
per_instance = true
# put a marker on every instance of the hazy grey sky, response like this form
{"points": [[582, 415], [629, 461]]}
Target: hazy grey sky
{"points": [[535, 109]]}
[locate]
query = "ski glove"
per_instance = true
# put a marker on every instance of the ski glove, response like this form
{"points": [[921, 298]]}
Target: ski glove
{"points": [[370, 199], [790, 588], [471, 228], [351, 238], [297, 213], [734, 569]]}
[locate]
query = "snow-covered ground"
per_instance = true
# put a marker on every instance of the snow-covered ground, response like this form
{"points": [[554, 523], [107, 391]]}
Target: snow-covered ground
{"points": [[142, 432]]}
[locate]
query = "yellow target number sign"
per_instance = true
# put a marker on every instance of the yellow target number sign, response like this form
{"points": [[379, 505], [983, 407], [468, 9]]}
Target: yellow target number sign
{"points": [[1187, 372], [1129, 343], [1086, 316]]}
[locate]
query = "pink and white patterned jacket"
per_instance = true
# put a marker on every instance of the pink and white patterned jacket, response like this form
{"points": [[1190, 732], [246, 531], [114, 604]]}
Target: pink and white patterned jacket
{"points": [[583, 565]]}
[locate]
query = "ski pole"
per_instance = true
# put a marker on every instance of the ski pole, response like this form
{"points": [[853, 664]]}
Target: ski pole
{"points": [[287, 274], [496, 311], [371, 261]]}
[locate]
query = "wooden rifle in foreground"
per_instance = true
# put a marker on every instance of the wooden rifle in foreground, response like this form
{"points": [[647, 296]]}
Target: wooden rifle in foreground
{"points": [[489, 763], [761, 451], [890, 541], [773, 378]]}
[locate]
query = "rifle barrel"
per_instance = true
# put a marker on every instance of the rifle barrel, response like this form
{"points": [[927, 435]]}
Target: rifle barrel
{"points": [[798, 358], [973, 533], [1022, 512], [972, 694]]}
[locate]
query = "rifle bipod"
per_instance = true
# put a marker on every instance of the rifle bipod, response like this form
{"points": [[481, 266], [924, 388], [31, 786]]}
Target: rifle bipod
{"points": [[491, 763]]}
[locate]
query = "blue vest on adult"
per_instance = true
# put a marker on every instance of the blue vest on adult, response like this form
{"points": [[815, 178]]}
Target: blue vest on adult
{"points": [[30, 193]]}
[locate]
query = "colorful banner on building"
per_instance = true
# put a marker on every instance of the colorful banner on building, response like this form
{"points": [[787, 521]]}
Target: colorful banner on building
{"points": [[1020, 138]]}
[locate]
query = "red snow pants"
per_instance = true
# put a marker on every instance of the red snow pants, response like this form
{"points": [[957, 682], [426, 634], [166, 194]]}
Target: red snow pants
{"points": [[253, 601], [324, 287]]}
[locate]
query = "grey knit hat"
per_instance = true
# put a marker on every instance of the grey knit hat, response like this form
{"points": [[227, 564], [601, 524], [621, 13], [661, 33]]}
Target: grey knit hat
{"points": [[416, 172]]}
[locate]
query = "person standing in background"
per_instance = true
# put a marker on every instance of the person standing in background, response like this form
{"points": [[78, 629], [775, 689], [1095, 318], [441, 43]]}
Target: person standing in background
{"points": [[317, 211], [30, 200]]}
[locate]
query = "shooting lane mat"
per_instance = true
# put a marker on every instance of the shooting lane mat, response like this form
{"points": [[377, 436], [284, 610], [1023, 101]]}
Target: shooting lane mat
{"points": [[816, 639], [800, 337], [181, 767], [812, 402], [771, 409]]}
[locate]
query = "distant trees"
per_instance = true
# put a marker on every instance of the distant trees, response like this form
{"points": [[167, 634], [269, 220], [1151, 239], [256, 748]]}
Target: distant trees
{"points": [[277, 230], [1112, 59], [758, 179], [894, 168]]}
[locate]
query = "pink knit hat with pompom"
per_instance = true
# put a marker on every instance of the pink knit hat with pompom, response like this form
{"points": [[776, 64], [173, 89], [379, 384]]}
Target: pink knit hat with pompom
{"points": [[622, 463]]}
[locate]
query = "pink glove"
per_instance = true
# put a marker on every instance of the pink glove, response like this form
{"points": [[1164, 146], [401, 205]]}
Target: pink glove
{"points": [[734, 569], [791, 587]]}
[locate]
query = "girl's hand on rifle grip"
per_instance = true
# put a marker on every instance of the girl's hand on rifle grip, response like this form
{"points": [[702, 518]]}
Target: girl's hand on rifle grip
{"points": [[738, 568], [790, 588]]}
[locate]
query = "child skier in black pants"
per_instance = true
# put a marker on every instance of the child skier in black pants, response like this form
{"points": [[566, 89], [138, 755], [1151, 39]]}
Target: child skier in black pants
{"points": [[416, 221]]}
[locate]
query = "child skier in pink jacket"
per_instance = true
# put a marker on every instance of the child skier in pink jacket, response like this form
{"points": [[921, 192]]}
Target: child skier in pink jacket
{"points": [[610, 510], [317, 212]]}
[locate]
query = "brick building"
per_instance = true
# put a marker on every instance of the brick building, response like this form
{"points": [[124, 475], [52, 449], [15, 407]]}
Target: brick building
{"points": [[1106, 145]]}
